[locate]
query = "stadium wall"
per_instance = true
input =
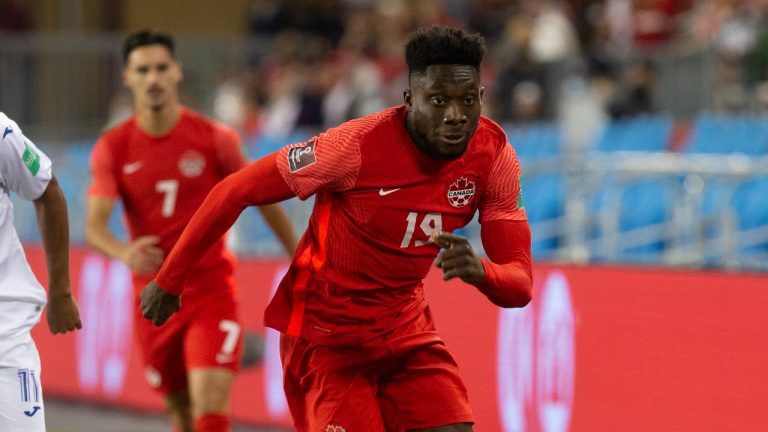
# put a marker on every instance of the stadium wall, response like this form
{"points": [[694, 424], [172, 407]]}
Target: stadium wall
{"points": [[599, 348]]}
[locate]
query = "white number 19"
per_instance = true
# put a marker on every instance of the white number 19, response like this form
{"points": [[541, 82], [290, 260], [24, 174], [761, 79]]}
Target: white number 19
{"points": [[431, 222]]}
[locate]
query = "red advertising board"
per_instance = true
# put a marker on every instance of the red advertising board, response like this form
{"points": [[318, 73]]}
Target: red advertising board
{"points": [[599, 348]]}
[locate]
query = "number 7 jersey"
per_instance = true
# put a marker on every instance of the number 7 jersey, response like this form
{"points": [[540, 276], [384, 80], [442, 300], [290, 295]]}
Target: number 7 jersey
{"points": [[163, 180], [359, 267]]}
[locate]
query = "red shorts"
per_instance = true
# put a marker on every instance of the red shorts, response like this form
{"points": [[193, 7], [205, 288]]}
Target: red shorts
{"points": [[206, 332], [405, 379]]}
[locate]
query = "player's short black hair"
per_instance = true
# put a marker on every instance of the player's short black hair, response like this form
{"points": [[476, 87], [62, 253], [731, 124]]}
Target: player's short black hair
{"points": [[437, 45], [146, 37]]}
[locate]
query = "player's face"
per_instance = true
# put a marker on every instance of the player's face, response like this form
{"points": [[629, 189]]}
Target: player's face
{"points": [[152, 75], [443, 109]]}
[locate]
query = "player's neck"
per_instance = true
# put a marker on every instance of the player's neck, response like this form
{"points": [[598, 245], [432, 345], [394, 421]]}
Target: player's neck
{"points": [[158, 122]]}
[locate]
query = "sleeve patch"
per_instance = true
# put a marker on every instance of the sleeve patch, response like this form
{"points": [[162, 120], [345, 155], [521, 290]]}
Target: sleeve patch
{"points": [[31, 159], [302, 156]]}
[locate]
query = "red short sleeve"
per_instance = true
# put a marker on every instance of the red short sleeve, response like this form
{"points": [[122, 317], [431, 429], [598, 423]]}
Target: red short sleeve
{"points": [[328, 162], [103, 175], [503, 197]]}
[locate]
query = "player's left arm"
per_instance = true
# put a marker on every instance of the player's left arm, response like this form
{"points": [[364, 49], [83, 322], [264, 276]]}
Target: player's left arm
{"points": [[506, 277], [28, 172], [232, 159], [51, 210]]}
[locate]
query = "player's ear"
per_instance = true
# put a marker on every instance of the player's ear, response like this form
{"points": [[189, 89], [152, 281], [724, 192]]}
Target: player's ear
{"points": [[180, 70], [408, 97], [482, 92]]}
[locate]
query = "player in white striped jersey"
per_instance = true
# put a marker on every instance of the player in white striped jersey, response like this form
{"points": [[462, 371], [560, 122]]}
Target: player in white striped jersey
{"points": [[26, 171]]}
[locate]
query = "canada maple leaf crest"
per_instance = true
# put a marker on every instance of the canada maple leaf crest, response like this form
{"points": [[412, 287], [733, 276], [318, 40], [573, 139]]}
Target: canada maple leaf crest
{"points": [[334, 428], [460, 192], [191, 163]]}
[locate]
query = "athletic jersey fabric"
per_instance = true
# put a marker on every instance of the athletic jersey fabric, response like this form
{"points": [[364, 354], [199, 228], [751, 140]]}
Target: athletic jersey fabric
{"points": [[359, 268], [163, 180], [25, 171]]}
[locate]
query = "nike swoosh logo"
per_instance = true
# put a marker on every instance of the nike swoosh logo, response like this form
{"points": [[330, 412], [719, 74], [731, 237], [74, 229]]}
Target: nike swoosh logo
{"points": [[33, 412], [383, 191], [132, 167], [8, 130]]}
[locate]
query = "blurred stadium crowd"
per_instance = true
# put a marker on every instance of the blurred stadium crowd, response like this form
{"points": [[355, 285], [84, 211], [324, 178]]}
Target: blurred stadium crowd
{"points": [[640, 123]]}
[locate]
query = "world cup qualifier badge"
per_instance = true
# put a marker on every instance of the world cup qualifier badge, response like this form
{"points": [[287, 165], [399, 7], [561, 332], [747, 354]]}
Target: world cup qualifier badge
{"points": [[461, 192], [302, 156]]}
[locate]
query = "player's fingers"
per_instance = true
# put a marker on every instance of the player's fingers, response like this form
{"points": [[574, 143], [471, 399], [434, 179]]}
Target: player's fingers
{"points": [[147, 240], [452, 273], [450, 239], [438, 261], [456, 261], [153, 251], [458, 251]]}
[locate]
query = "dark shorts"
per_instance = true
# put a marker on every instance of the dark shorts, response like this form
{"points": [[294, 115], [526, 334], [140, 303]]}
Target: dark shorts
{"points": [[405, 379]]}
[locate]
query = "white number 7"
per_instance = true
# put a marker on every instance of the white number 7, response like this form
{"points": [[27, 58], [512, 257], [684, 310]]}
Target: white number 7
{"points": [[170, 188], [232, 329]]}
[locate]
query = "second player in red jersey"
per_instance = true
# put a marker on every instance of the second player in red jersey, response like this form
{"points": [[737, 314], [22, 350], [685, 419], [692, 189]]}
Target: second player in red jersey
{"points": [[359, 347], [161, 163], [162, 180]]}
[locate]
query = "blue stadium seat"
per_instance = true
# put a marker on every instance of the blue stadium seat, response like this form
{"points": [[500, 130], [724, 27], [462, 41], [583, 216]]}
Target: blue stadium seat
{"points": [[543, 195], [642, 203], [750, 200], [735, 134], [643, 133], [544, 199], [535, 141]]}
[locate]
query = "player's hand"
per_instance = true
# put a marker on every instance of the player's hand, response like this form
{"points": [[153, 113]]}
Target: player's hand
{"points": [[62, 314], [157, 304], [143, 256], [458, 259]]}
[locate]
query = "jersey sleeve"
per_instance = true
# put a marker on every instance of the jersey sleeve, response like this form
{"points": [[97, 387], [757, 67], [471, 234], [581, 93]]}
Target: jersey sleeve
{"points": [[24, 169], [103, 175], [328, 162], [228, 150], [503, 197]]}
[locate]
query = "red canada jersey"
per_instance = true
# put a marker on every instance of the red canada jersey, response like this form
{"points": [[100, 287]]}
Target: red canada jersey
{"points": [[359, 267], [163, 180]]}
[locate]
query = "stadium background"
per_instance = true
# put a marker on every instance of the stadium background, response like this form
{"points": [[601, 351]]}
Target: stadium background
{"points": [[642, 131]]}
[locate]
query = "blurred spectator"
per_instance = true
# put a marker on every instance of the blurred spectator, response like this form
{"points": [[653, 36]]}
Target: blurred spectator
{"points": [[16, 16], [489, 17], [654, 22], [553, 36], [520, 93], [635, 93]]}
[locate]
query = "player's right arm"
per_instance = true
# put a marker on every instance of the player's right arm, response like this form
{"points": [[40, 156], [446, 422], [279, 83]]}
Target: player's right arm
{"points": [[328, 162], [142, 254], [258, 184]]}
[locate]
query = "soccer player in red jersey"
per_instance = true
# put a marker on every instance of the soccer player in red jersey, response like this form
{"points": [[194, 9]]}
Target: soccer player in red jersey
{"points": [[161, 163], [359, 346]]}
